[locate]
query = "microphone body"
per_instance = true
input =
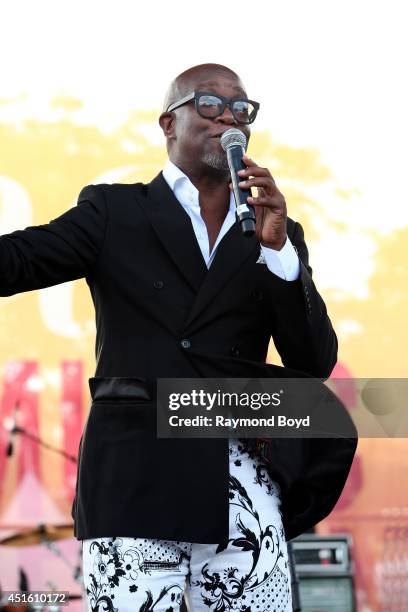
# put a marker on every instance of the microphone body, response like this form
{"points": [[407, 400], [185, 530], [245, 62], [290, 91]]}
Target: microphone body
{"points": [[233, 142]]}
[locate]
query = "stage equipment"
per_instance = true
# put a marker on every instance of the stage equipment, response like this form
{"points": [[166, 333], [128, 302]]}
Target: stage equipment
{"points": [[325, 572]]}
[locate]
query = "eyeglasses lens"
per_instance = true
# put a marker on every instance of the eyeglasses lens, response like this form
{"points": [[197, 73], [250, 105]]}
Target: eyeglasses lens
{"points": [[212, 106], [243, 111], [209, 106]]}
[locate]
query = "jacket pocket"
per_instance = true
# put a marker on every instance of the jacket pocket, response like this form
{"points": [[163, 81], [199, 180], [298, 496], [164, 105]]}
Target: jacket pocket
{"points": [[119, 388]]}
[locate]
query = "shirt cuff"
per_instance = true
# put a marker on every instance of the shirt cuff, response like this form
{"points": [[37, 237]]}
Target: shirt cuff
{"points": [[283, 263]]}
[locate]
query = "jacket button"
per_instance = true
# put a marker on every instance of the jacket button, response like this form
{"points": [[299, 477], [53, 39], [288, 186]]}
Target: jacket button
{"points": [[257, 296], [158, 284], [186, 343], [234, 351]]}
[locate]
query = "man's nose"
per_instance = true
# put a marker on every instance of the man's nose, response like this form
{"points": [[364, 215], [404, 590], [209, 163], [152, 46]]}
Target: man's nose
{"points": [[226, 117]]}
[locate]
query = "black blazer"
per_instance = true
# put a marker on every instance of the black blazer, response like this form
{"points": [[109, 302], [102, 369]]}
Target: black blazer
{"points": [[152, 291]]}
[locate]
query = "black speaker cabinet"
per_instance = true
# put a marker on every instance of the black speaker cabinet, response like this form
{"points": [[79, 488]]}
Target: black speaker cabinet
{"points": [[325, 572]]}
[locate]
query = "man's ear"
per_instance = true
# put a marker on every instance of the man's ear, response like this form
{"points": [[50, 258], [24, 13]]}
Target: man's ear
{"points": [[167, 123]]}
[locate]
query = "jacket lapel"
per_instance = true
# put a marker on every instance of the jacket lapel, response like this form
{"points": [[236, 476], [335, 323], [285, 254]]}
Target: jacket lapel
{"points": [[173, 228], [232, 252]]}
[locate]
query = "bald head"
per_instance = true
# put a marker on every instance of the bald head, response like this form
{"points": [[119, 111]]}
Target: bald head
{"points": [[196, 78], [193, 141]]}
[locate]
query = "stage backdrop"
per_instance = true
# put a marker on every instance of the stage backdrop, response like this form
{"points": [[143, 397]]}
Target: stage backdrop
{"points": [[47, 336]]}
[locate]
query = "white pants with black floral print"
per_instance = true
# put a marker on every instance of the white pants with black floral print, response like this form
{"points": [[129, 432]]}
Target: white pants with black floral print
{"points": [[250, 574]]}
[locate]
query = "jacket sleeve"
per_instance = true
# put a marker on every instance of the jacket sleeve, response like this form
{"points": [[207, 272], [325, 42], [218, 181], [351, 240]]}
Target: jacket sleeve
{"points": [[62, 250], [301, 328]]}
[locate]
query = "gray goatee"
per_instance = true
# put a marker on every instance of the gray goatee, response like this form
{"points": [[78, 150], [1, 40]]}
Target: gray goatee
{"points": [[218, 161]]}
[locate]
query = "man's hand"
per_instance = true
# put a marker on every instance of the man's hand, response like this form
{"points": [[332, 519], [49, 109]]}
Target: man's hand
{"points": [[270, 205]]}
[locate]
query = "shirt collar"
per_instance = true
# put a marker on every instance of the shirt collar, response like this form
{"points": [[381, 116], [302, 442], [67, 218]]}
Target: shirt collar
{"points": [[172, 174], [175, 178]]}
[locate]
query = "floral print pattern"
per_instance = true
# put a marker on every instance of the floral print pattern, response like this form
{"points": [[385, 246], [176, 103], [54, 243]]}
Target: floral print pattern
{"points": [[248, 573], [119, 563]]}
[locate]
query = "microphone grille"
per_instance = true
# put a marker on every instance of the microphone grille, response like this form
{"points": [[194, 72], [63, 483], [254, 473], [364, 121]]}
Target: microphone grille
{"points": [[233, 138]]}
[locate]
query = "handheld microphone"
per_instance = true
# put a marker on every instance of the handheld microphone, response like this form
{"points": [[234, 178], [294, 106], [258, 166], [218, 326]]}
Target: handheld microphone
{"points": [[234, 143], [13, 431]]}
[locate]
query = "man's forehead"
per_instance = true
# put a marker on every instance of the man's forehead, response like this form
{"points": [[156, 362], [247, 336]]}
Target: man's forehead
{"points": [[212, 83], [205, 77], [210, 75]]}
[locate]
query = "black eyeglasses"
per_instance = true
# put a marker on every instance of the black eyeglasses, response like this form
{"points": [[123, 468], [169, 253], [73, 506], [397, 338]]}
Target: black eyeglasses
{"points": [[210, 105]]}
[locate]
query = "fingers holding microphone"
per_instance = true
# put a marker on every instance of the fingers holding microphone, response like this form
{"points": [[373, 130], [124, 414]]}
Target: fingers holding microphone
{"points": [[269, 205]]}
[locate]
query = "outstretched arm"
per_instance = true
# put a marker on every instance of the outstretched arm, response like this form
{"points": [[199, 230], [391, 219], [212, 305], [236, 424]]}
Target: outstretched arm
{"points": [[62, 250]]}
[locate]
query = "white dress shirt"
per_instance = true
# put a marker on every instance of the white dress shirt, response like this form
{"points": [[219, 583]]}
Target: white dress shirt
{"points": [[283, 263]]}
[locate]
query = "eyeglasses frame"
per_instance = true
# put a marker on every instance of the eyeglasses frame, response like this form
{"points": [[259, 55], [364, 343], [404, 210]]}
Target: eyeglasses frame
{"points": [[194, 95]]}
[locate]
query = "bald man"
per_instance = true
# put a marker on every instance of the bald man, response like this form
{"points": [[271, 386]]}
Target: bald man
{"points": [[193, 145], [180, 293]]}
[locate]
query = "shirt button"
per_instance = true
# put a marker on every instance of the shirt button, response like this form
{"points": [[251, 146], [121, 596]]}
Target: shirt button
{"points": [[234, 351], [186, 343], [158, 284]]}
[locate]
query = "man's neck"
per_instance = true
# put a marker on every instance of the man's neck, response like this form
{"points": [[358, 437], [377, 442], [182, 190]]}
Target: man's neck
{"points": [[214, 206], [214, 197], [212, 186]]}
